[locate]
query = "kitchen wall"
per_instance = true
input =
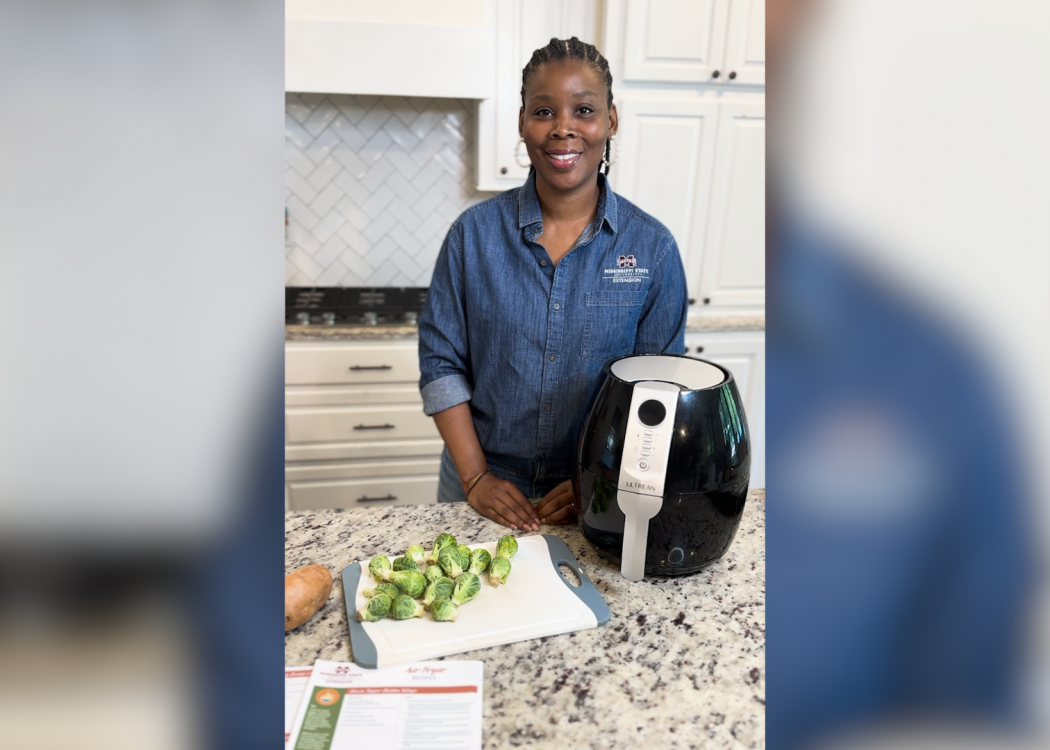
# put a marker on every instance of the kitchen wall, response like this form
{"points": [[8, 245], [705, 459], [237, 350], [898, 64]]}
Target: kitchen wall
{"points": [[372, 185]]}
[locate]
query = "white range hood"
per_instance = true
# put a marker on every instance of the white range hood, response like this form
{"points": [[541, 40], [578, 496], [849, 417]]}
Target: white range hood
{"points": [[433, 48]]}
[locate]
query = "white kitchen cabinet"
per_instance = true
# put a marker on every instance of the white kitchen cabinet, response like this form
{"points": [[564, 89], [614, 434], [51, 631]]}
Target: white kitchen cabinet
{"points": [[521, 28], [410, 48], [744, 355], [355, 431], [665, 161], [720, 42], [733, 270], [745, 59], [698, 165]]}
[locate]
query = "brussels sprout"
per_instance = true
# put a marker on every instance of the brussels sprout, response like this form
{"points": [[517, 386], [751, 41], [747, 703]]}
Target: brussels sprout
{"points": [[507, 547], [442, 541], [411, 582], [479, 561], [444, 610], [405, 608], [383, 588], [378, 565], [450, 562], [499, 569], [432, 573], [467, 587], [440, 587], [417, 554], [376, 609], [404, 563], [464, 551]]}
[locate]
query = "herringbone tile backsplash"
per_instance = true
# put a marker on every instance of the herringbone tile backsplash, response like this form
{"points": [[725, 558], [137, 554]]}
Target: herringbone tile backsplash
{"points": [[372, 185]]}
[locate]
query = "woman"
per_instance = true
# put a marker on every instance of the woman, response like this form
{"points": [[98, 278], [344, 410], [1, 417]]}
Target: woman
{"points": [[533, 291]]}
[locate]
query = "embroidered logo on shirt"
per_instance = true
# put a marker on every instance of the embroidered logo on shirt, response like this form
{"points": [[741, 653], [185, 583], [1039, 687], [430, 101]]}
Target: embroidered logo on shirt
{"points": [[626, 271]]}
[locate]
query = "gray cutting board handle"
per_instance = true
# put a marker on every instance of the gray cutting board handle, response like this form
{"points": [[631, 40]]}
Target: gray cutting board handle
{"points": [[586, 591], [364, 650]]}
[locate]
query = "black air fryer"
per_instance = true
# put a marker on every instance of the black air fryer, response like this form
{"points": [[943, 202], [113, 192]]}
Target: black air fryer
{"points": [[663, 464]]}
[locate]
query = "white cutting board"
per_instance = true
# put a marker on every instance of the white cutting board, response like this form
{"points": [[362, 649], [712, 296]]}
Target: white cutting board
{"points": [[536, 601]]}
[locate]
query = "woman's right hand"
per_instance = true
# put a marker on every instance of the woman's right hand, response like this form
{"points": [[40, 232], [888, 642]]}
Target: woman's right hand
{"points": [[503, 502]]}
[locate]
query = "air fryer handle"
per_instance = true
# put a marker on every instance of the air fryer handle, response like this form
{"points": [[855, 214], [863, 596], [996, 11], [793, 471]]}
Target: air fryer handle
{"points": [[637, 510]]}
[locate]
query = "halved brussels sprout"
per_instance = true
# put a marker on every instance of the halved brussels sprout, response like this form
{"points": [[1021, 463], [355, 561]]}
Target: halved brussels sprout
{"points": [[442, 541], [507, 547], [499, 569], [405, 608], [383, 588], [479, 561], [440, 587], [450, 562], [376, 609], [411, 582], [467, 587], [378, 564], [417, 554], [444, 610]]}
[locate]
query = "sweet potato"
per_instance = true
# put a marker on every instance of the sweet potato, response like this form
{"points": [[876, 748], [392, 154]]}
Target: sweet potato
{"points": [[305, 591]]}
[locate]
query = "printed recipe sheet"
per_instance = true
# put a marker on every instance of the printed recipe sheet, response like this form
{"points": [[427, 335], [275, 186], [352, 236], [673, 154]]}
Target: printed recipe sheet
{"points": [[295, 679], [421, 706]]}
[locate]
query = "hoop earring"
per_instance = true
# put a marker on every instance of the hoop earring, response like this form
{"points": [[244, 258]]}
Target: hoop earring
{"points": [[517, 155], [614, 155]]}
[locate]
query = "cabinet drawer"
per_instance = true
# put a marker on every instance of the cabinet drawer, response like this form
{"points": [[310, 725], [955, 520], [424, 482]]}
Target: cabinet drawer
{"points": [[362, 493], [310, 364], [325, 424], [337, 470], [375, 449], [347, 395]]}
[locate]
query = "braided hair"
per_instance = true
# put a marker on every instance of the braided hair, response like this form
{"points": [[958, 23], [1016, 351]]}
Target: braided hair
{"points": [[571, 49]]}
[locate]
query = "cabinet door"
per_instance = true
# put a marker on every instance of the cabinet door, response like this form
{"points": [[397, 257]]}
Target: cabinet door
{"points": [[734, 265], [521, 28], [746, 42], [664, 165], [678, 41]]}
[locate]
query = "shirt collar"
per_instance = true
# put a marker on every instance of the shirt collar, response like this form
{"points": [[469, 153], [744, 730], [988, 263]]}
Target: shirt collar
{"points": [[529, 204]]}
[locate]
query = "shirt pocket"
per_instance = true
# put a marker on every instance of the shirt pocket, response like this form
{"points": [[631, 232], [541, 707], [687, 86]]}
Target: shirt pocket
{"points": [[612, 324]]}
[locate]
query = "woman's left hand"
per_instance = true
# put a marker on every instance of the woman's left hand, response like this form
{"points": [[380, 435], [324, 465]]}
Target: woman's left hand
{"points": [[557, 506]]}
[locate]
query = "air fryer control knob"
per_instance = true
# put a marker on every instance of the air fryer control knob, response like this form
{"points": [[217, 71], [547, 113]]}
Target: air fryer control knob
{"points": [[651, 413]]}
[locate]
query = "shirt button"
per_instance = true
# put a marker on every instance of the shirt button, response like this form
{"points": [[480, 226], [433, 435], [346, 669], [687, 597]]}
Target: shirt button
{"points": [[543, 262], [547, 407], [557, 306], [551, 358]]}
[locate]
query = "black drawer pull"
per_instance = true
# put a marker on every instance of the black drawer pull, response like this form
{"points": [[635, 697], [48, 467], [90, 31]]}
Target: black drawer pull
{"points": [[355, 368], [374, 427], [367, 499]]}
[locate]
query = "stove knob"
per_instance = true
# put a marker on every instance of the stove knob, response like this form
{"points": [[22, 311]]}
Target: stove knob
{"points": [[303, 318], [328, 318], [411, 317], [370, 318]]}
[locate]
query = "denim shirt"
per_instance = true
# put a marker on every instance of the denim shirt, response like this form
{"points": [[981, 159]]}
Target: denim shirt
{"points": [[524, 340]]}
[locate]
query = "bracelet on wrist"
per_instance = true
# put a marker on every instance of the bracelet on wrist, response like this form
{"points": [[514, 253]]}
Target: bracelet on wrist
{"points": [[475, 480]]}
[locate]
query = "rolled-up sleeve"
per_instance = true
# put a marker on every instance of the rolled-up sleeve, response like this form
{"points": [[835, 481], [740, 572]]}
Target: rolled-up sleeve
{"points": [[661, 328], [444, 356]]}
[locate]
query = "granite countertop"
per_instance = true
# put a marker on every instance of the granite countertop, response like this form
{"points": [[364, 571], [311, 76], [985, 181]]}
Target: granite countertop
{"points": [[720, 324], [681, 662]]}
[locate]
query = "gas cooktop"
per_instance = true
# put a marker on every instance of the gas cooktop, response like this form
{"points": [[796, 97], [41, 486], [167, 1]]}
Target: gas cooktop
{"points": [[337, 305]]}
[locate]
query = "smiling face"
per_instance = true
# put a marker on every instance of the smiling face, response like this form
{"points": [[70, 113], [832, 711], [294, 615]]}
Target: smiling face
{"points": [[566, 123]]}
